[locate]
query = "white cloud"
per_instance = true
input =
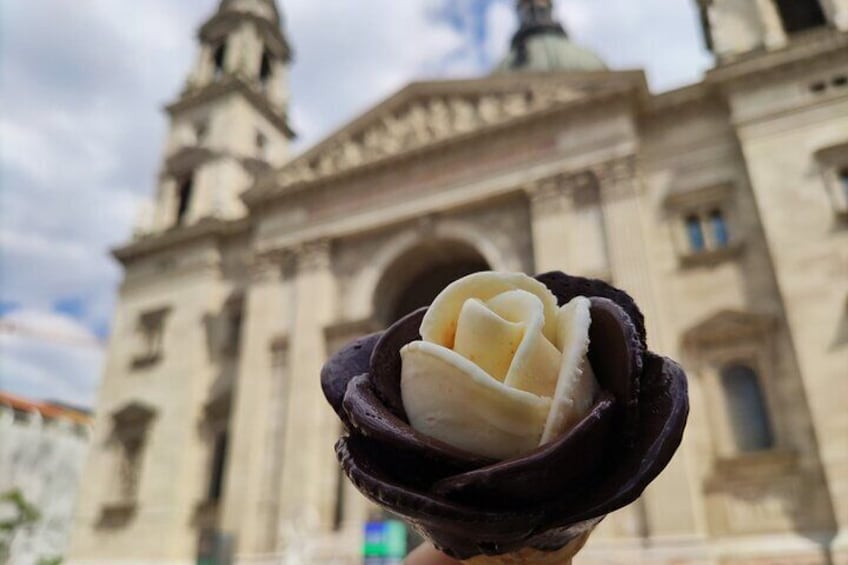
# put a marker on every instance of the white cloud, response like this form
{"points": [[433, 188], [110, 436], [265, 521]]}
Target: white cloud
{"points": [[81, 130], [500, 24], [49, 357]]}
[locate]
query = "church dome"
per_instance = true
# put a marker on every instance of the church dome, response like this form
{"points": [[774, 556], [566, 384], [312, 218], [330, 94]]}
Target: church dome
{"points": [[541, 44]]}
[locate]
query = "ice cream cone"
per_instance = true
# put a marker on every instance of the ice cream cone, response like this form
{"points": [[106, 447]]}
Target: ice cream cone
{"points": [[530, 556]]}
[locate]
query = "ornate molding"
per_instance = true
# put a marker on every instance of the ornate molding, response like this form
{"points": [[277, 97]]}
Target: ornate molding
{"points": [[617, 178], [314, 256], [558, 193], [268, 265]]}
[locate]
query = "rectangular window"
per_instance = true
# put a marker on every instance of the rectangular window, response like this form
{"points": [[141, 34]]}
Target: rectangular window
{"points": [[719, 229], [695, 233], [184, 198], [798, 15], [219, 461], [265, 68], [219, 60], [151, 330]]}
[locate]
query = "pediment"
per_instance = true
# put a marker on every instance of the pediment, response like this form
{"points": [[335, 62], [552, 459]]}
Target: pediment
{"points": [[729, 326], [426, 114]]}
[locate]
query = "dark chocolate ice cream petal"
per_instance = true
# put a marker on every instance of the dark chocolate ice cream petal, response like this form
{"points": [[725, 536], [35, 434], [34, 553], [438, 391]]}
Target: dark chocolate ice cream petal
{"points": [[407, 452], [615, 354], [554, 498], [663, 408], [541, 475], [459, 529], [565, 287], [386, 360], [352, 360]]}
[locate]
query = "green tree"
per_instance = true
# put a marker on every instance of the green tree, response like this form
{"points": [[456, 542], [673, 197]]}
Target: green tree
{"points": [[15, 514]]}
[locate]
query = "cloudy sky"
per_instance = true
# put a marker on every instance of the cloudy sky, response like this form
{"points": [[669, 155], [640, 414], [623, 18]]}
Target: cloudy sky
{"points": [[82, 84]]}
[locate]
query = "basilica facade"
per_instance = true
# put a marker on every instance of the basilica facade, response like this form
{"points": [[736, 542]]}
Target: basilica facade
{"points": [[722, 207]]}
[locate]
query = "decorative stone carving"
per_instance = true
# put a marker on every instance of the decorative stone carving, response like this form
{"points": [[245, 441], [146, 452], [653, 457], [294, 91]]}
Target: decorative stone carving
{"points": [[314, 256], [557, 193], [422, 121]]}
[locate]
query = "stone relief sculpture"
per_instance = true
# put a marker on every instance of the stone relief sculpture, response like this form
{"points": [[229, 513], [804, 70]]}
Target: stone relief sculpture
{"points": [[422, 122]]}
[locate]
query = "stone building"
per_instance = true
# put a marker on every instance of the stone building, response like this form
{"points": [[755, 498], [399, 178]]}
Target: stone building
{"points": [[721, 206], [42, 455]]}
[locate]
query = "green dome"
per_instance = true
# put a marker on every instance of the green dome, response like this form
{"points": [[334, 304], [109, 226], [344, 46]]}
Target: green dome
{"points": [[541, 44], [550, 52]]}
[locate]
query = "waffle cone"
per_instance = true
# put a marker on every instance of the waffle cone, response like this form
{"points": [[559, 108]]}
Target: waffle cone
{"points": [[530, 556]]}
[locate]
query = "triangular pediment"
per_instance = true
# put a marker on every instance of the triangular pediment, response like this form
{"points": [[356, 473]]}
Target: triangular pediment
{"points": [[426, 114], [729, 326]]}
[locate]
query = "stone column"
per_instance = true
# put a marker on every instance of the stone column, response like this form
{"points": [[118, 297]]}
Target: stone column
{"points": [[354, 507], [568, 226], [621, 200], [267, 314], [309, 465], [550, 207], [773, 34], [622, 211], [839, 14]]}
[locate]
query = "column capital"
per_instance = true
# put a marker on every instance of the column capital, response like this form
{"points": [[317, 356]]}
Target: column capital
{"points": [[615, 169], [313, 255], [269, 265], [557, 193], [616, 177]]}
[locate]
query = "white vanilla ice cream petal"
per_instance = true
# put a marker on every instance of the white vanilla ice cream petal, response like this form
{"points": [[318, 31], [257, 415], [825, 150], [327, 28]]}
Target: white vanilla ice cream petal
{"points": [[440, 321], [535, 363], [451, 399], [576, 385], [484, 337]]}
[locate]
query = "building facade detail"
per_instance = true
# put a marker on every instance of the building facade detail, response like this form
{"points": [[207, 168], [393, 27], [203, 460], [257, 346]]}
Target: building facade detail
{"points": [[719, 206]]}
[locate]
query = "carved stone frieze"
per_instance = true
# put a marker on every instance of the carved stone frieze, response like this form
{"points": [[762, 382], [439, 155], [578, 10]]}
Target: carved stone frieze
{"points": [[421, 121]]}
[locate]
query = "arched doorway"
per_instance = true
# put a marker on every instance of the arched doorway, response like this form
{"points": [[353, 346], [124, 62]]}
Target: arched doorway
{"points": [[414, 278]]}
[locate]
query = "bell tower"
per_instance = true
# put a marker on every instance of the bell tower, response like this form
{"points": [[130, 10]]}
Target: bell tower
{"points": [[230, 121], [733, 28]]}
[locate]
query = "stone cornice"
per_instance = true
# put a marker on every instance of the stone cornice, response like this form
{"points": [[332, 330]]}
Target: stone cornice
{"points": [[186, 158], [800, 50], [728, 327], [270, 187], [515, 181], [232, 83], [166, 241]]}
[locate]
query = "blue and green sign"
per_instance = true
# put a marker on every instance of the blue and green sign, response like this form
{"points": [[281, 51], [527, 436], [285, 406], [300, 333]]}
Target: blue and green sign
{"points": [[385, 542]]}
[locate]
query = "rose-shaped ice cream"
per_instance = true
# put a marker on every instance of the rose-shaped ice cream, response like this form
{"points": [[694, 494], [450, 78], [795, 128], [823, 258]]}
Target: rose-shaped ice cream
{"points": [[499, 370], [548, 498]]}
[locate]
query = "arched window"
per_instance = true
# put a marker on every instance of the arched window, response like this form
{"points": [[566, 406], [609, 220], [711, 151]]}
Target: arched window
{"points": [[798, 15], [218, 59], [184, 198], [265, 69], [695, 233], [719, 229], [746, 408]]}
